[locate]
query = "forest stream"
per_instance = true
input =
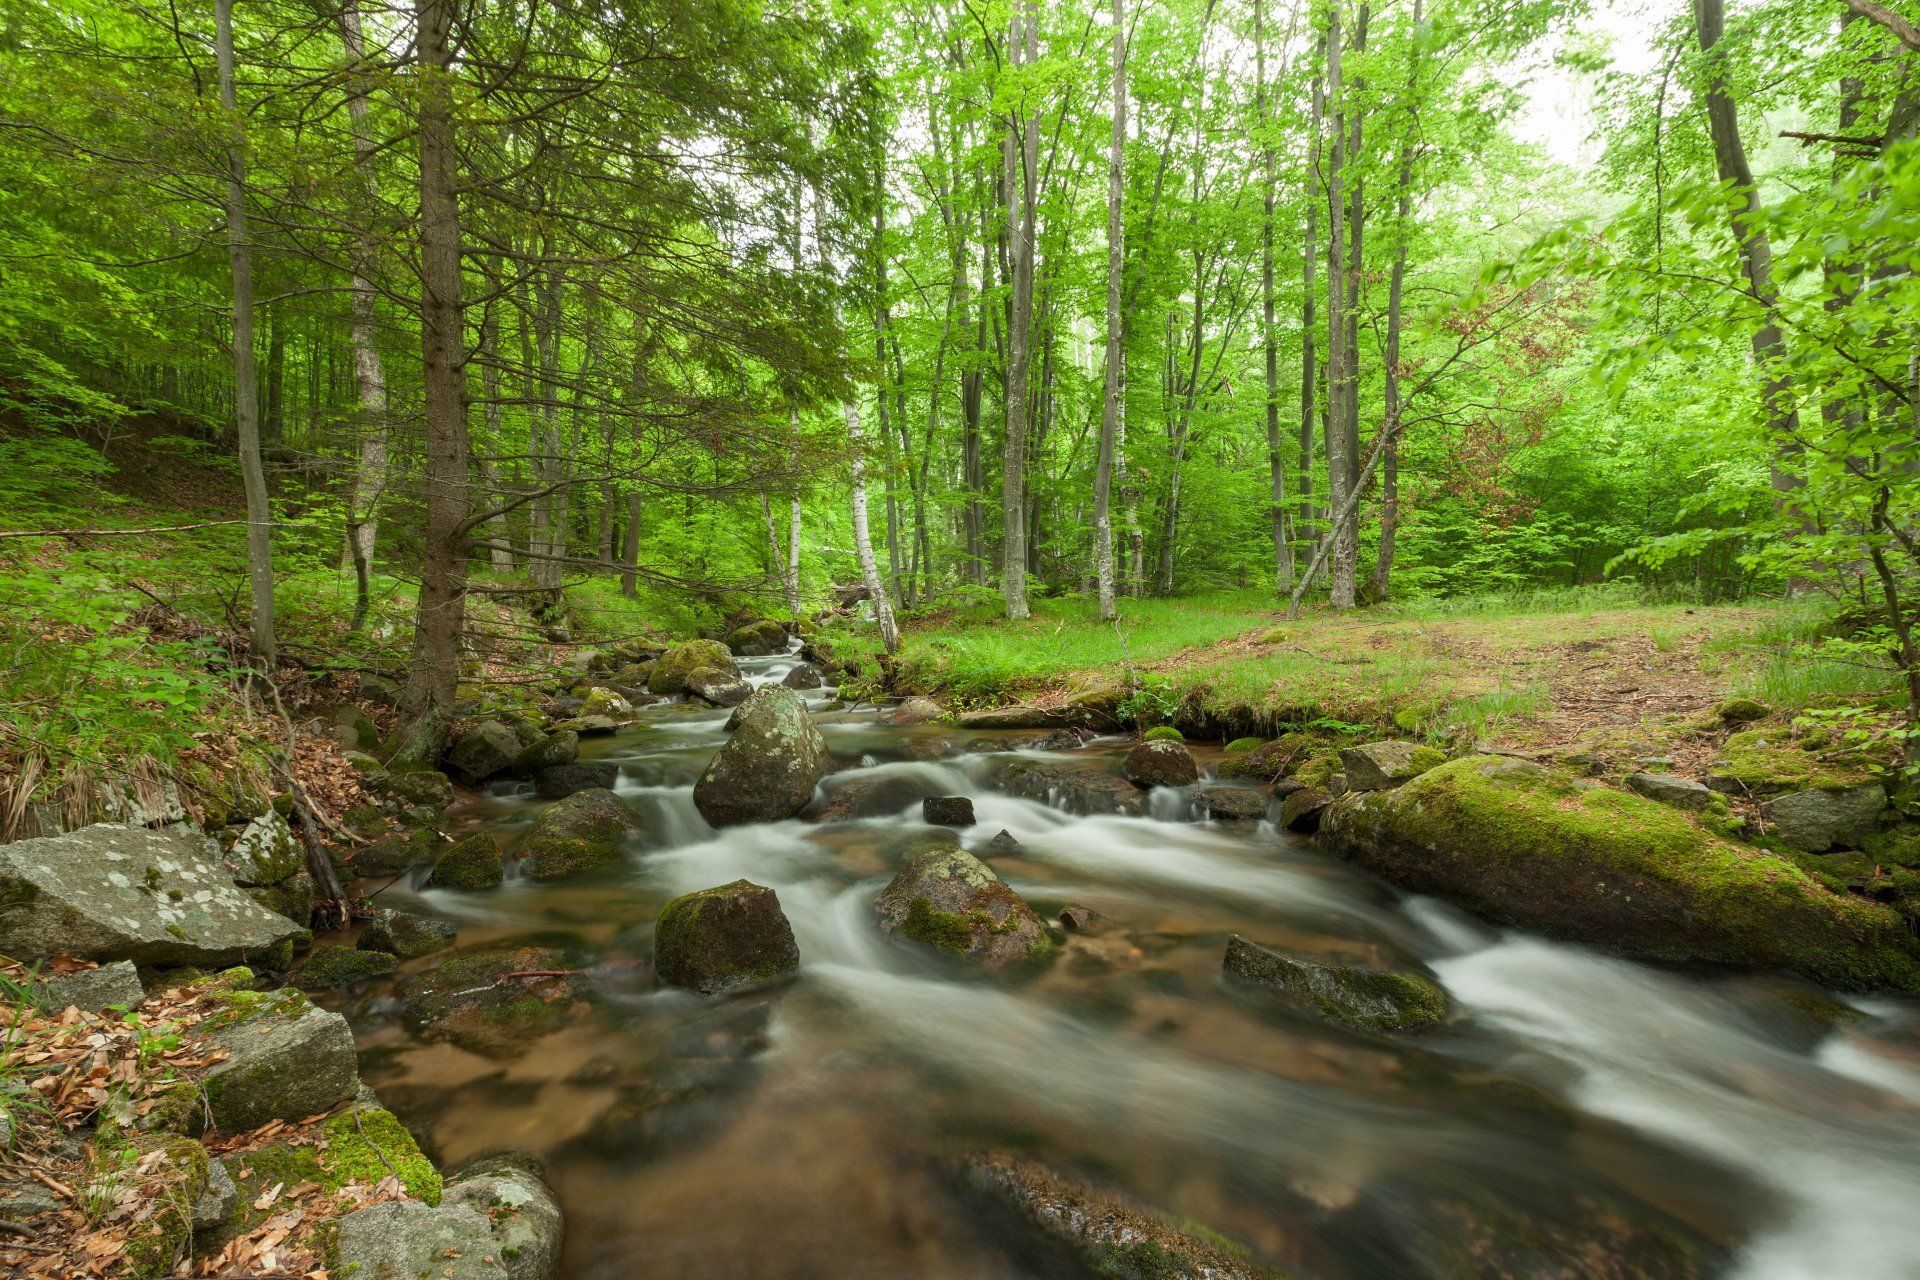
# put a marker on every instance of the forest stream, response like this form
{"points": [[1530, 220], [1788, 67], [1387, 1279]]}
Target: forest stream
{"points": [[1575, 1101]]}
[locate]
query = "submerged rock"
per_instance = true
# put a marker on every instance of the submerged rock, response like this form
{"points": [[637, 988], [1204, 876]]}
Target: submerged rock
{"points": [[947, 811], [1103, 1234], [110, 892], [769, 767], [1231, 804], [407, 934], [472, 863], [1381, 766], [670, 672], [1364, 998], [1085, 790], [525, 1219], [579, 834], [1525, 846], [953, 902], [1161, 762], [1816, 821], [730, 938], [484, 751], [560, 781], [470, 1000]]}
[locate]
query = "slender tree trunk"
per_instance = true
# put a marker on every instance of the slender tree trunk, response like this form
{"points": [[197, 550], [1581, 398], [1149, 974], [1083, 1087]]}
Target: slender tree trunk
{"points": [[1276, 454], [1340, 468], [246, 406], [1309, 335], [630, 548], [370, 475], [273, 425], [1382, 581], [499, 536], [433, 670], [1113, 406], [863, 538], [1022, 165]]}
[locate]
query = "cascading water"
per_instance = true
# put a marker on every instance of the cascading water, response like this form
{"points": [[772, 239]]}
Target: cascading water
{"points": [[1575, 1099]]}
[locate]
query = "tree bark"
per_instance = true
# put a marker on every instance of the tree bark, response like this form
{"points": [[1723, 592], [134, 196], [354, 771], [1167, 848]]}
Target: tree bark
{"points": [[246, 405], [1113, 406], [1022, 163], [1309, 336], [1276, 459], [1382, 580], [1339, 385], [370, 475], [433, 669], [863, 538]]}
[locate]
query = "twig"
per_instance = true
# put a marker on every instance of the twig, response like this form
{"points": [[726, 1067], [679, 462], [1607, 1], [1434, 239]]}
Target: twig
{"points": [[111, 533], [376, 1147], [9, 1226], [518, 973]]}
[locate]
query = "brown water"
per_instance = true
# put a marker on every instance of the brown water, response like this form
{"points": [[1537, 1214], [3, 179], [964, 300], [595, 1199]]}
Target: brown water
{"points": [[1576, 1103]]}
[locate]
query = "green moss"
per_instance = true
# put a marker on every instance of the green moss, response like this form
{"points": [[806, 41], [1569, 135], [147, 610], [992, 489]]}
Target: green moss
{"points": [[233, 1006], [1316, 772], [1766, 760], [561, 857], [1897, 846], [1166, 732], [670, 672], [334, 966], [1425, 758], [368, 1144], [176, 1109], [1241, 745], [1742, 711], [162, 1237], [946, 930], [473, 863]]}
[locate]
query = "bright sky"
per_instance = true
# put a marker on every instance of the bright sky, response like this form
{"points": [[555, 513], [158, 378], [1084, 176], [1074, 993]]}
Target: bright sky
{"points": [[1559, 115]]}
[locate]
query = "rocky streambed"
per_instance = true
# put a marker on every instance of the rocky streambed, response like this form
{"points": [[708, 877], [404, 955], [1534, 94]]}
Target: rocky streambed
{"points": [[776, 988]]}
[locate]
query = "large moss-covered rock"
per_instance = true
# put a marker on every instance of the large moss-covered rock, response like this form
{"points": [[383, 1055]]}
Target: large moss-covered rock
{"points": [[552, 751], [407, 934], [717, 687], [285, 1060], [426, 787], [525, 1219], [769, 767], [1161, 762], [1764, 762], [563, 780], [1082, 789], [1381, 766], [110, 892], [730, 938], [1368, 999], [471, 863], [363, 1143], [486, 750], [1265, 761], [328, 965], [581, 833], [1816, 821], [1099, 1234], [470, 1000], [670, 672], [1523, 845], [951, 901]]}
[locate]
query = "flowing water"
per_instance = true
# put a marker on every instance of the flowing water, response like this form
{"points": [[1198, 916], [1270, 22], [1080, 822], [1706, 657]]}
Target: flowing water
{"points": [[1576, 1107]]}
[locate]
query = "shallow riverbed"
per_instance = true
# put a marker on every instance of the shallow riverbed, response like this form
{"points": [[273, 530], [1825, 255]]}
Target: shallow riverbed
{"points": [[1577, 1108]]}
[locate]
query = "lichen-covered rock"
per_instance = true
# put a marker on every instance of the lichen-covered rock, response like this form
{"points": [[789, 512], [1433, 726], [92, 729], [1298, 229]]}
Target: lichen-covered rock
{"points": [[670, 672], [110, 892], [412, 1240], [426, 787], [803, 676], [1081, 789], [730, 938], [561, 781], [1816, 821], [1301, 809], [217, 1200], [555, 750], [511, 1190], [947, 811], [1103, 1235], [601, 703], [116, 984], [1367, 999], [286, 1060], [721, 688], [407, 934], [1522, 845], [1231, 804], [1161, 762], [329, 965], [581, 833], [1671, 788], [769, 767], [953, 902], [265, 852], [1380, 766], [486, 750], [470, 863], [470, 1001]]}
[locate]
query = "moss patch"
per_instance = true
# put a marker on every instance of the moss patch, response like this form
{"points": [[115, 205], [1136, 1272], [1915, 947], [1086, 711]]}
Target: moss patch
{"points": [[1763, 761]]}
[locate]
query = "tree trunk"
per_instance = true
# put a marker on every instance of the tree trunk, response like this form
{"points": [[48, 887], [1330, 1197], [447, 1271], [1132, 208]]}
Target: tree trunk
{"points": [[499, 536], [630, 548], [370, 476], [1276, 458], [1382, 580], [1339, 385], [1022, 165], [433, 669], [246, 405], [273, 426], [1309, 336], [1113, 406], [863, 538]]}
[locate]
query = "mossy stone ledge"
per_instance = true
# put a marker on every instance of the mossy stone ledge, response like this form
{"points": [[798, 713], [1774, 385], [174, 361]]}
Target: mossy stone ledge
{"points": [[1521, 844]]}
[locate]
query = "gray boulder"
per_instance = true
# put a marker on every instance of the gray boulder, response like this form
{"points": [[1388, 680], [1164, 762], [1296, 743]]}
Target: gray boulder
{"points": [[1815, 821], [286, 1060], [1381, 766], [410, 1239], [953, 902], [1231, 804], [803, 676], [1367, 999], [560, 781], [1081, 789], [218, 1200], [581, 833], [721, 688], [265, 852], [731, 938], [92, 989], [406, 934], [1161, 762], [109, 892], [553, 751], [1671, 788], [768, 768], [525, 1219], [484, 751]]}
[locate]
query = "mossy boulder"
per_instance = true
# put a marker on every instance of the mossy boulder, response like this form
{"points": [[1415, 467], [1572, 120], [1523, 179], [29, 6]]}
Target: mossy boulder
{"points": [[292, 898], [470, 1000], [953, 902], [1251, 760], [561, 781], [1522, 845], [601, 703], [428, 787], [328, 965], [395, 854], [730, 938], [552, 751], [407, 934], [1161, 762], [1742, 711], [286, 1059], [769, 767], [670, 672], [174, 1173], [363, 1144], [1240, 746], [1381, 766], [581, 833], [718, 687], [525, 1219], [1104, 1235], [265, 852], [470, 863], [1366, 999], [1164, 732], [1767, 762], [1318, 772], [484, 751], [803, 676]]}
